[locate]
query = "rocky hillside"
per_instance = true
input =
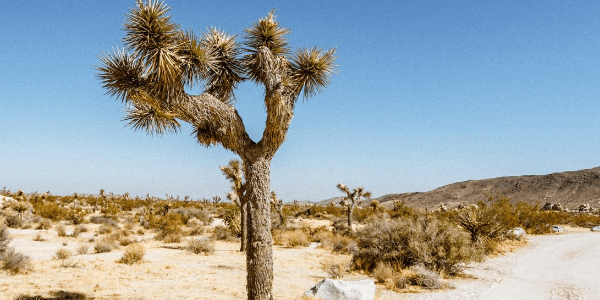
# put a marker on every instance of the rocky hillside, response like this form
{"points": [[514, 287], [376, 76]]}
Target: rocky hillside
{"points": [[568, 188]]}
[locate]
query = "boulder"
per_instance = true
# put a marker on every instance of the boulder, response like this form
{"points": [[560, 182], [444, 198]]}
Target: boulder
{"points": [[517, 233], [558, 228], [329, 289], [596, 228]]}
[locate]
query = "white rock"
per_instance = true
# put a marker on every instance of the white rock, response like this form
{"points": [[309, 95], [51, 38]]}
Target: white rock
{"points": [[596, 228], [329, 289], [557, 228], [517, 233]]}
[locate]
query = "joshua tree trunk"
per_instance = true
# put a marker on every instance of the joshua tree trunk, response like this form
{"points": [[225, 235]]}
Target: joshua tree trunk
{"points": [[244, 225], [349, 211], [259, 255]]}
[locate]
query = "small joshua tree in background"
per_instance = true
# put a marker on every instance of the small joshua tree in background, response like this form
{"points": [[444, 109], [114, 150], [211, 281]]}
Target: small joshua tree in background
{"points": [[351, 200], [234, 173], [278, 205]]}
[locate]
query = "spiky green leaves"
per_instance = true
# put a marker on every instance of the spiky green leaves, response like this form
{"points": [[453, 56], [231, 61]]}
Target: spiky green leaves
{"points": [[151, 119], [266, 33], [227, 71], [121, 74], [312, 69], [155, 40]]}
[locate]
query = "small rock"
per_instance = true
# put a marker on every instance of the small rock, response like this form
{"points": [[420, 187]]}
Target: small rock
{"points": [[596, 228], [557, 228], [329, 289], [517, 233]]}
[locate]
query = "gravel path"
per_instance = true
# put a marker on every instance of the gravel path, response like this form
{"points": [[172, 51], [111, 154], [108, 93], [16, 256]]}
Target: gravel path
{"points": [[556, 267]]}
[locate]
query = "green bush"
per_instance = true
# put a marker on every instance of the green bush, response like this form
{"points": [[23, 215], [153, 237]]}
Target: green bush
{"points": [[402, 243]]}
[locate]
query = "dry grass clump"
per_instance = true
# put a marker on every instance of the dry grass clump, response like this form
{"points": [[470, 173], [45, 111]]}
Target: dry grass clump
{"points": [[425, 278], [383, 272], [340, 244], [63, 253], [61, 230], [335, 268], [4, 238], [38, 238], [78, 230], [290, 238], [104, 245], [195, 230], [172, 238], [15, 262], [133, 253], [44, 224], [105, 229], [202, 246], [104, 220], [69, 263], [222, 233], [83, 249]]}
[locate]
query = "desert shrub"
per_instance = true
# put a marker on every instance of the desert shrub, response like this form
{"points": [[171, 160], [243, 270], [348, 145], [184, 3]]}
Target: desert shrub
{"points": [[104, 220], [168, 225], [79, 229], [44, 224], [222, 233], [585, 220], [15, 262], [201, 246], [50, 210], [13, 219], [340, 244], [417, 240], [232, 218], [105, 229], [196, 230], [481, 224], [104, 245], [401, 210], [290, 238], [4, 238], [76, 216], [424, 277], [340, 227], [83, 249], [63, 253], [172, 238], [335, 268], [38, 238], [383, 272], [61, 230], [133, 253], [110, 211], [68, 263]]}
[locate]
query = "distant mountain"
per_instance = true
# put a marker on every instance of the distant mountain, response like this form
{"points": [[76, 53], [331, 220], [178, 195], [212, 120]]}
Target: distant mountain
{"points": [[568, 188]]}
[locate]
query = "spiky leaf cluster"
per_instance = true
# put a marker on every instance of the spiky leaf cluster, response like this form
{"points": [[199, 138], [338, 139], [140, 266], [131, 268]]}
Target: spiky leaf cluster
{"points": [[160, 60]]}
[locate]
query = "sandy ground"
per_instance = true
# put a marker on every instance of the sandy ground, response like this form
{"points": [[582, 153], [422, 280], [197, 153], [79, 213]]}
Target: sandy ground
{"points": [[561, 266]]}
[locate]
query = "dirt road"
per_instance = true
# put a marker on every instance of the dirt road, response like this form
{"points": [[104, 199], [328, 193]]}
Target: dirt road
{"points": [[556, 267]]}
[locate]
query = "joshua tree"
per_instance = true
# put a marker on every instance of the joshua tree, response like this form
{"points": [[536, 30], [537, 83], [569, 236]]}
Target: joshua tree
{"points": [[234, 173], [351, 200], [150, 77], [278, 205]]}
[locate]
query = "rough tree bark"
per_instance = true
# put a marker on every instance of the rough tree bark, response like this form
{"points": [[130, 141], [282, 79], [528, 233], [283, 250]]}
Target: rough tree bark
{"points": [[259, 254]]}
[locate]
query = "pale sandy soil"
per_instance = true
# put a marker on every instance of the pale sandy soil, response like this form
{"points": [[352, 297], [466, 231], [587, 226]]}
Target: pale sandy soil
{"points": [[561, 266]]}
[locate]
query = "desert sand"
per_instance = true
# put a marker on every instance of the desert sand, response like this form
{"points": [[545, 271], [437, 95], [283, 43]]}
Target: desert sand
{"points": [[559, 266]]}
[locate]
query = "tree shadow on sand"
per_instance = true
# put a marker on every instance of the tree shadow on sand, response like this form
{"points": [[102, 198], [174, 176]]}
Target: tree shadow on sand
{"points": [[59, 295]]}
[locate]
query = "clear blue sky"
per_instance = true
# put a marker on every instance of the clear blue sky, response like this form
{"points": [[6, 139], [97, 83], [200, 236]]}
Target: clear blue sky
{"points": [[428, 93]]}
